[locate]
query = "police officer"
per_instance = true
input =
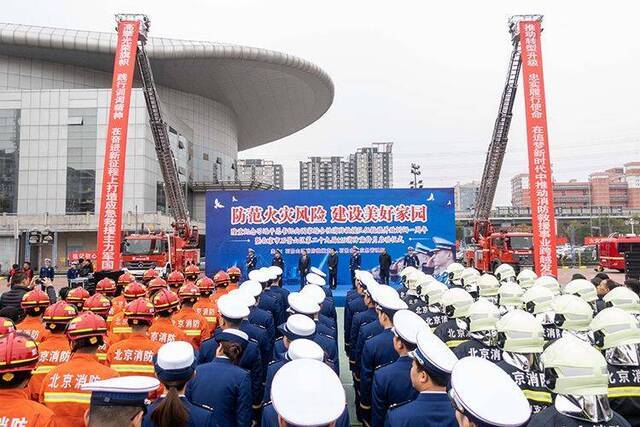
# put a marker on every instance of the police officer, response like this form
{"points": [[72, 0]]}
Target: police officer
{"points": [[455, 303], [430, 371], [510, 297], [332, 265], [617, 334], [454, 275], [304, 265], [277, 259], [482, 341], [573, 315], [251, 263], [257, 315], [392, 382], [354, 264], [300, 326], [521, 338], [304, 304], [354, 303], [272, 299], [484, 395], [577, 374], [327, 304], [537, 301], [410, 258]]}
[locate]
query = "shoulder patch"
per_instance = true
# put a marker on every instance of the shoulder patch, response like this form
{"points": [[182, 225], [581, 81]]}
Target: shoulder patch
{"points": [[199, 405], [383, 365], [397, 405]]}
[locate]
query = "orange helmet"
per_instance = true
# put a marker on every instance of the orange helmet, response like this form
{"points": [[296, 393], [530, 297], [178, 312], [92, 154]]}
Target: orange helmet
{"points": [[175, 279], [149, 275], [87, 325], [205, 285], [125, 279], [165, 301], [98, 304], [134, 290], [77, 296], [18, 352], [192, 270], [6, 326], [57, 315], [234, 274], [221, 278], [35, 301], [139, 311], [155, 284], [106, 286], [189, 292]]}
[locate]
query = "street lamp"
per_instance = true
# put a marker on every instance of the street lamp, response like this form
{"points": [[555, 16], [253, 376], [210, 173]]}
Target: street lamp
{"points": [[632, 222], [415, 171]]}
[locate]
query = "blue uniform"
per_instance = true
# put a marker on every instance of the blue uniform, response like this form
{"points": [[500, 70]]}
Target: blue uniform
{"points": [[323, 327], [391, 387], [271, 302], [263, 318], [270, 417], [451, 334], [47, 272], [226, 387], [259, 334], [354, 304], [429, 409], [328, 308], [360, 319], [198, 415], [377, 351], [328, 345], [411, 260], [368, 331]]}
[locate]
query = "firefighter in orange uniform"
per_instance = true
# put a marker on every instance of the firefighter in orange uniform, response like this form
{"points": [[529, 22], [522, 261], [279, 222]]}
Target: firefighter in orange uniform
{"points": [[155, 285], [175, 279], [100, 305], [119, 328], [149, 275], [34, 303], [18, 358], [205, 306], [118, 302], [163, 330], [134, 355], [56, 349], [191, 272], [6, 326], [194, 325], [106, 287], [77, 296], [221, 282], [61, 388], [234, 278]]}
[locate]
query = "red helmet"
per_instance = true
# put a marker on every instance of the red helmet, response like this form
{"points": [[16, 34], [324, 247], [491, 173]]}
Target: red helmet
{"points": [[192, 270], [165, 300], [106, 286], [35, 300], [57, 315], [18, 352], [205, 285], [126, 278], [220, 278], [155, 284], [134, 290], [175, 279], [77, 296], [139, 310], [149, 275], [98, 304], [6, 326], [234, 273], [86, 325], [189, 291]]}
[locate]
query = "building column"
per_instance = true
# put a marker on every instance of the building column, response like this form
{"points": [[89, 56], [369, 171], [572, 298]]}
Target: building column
{"points": [[54, 250]]}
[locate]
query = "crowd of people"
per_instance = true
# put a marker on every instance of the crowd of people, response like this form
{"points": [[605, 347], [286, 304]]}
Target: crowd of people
{"points": [[479, 350]]}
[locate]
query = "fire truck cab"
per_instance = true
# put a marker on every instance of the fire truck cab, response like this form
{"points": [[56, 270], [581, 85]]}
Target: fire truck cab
{"points": [[611, 250], [162, 252]]}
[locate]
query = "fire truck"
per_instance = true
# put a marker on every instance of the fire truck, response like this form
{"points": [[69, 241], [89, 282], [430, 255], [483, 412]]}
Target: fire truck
{"points": [[611, 250], [488, 247], [176, 248]]}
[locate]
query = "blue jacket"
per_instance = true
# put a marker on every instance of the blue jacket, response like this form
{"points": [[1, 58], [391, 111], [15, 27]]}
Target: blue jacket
{"points": [[360, 319], [429, 409], [47, 272], [260, 335], [270, 417], [354, 304], [323, 327], [264, 319], [226, 387], [377, 351], [391, 387], [368, 331], [72, 273], [411, 260], [273, 302], [328, 308], [198, 415]]}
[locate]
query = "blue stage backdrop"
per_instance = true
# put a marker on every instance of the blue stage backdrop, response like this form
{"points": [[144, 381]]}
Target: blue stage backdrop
{"points": [[317, 220]]}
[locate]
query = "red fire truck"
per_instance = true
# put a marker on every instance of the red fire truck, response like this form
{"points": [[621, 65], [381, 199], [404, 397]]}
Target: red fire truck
{"points": [[611, 250], [492, 248]]}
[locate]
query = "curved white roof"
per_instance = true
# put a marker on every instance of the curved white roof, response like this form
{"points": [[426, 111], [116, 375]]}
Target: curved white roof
{"points": [[273, 94]]}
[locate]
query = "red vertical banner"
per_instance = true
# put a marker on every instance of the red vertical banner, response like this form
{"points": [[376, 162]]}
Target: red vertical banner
{"points": [[541, 185], [110, 216]]}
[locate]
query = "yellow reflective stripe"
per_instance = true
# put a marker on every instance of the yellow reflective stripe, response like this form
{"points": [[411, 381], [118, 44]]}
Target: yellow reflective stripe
{"points": [[192, 332], [121, 330], [133, 368], [101, 356], [632, 391], [66, 397], [538, 396], [455, 343], [211, 319], [44, 369]]}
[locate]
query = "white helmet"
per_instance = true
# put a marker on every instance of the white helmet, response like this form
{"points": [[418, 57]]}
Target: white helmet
{"points": [[510, 295], [454, 271], [456, 302], [488, 285], [572, 313], [520, 332], [581, 288], [416, 279], [505, 272], [432, 292], [623, 298], [573, 367], [614, 327], [537, 299], [483, 316], [526, 278], [549, 282], [470, 276], [408, 273]]}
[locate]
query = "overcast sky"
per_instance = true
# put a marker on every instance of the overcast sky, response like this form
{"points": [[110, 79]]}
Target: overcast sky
{"points": [[425, 75]]}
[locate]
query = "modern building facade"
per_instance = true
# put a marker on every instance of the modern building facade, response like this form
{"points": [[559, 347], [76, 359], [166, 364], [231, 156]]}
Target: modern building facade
{"points": [[258, 170], [616, 188], [55, 87], [368, 167], [465, 196]]}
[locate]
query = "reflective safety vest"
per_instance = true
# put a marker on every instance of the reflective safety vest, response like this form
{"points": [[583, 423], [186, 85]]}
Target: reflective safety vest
{"points": [[53, 352], [61, 388], [163, 331], [194, 325], [209, 309], [133, 356], [117, 305], [119, 329], [17, 410], [33, 326]]}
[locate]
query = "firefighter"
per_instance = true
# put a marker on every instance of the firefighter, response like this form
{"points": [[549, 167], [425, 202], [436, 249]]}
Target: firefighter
{"points": [[134, 354], [456, 303], [165, 303], [624, 298], [585, 290], [221, 282], [154, 285], [361, 318], [431, 294], [354, 304], [149, 275], [191, 273], [489, 287], [6, 326], [303, 304], [77, 297], [537, 301], [194, 325], [526, 278], [205, 306], [481, 322], [510, 297], [272, 299], [100, 305], [61, 387], [577, 374], [18, 358], [412, 295], [521, 338], [617, 335], [469, 281], [34, 303], [454, 275], [505, 273], [234, 276], [119, 328], [56, 349], [106, 287], [573, 315], [118, 302], [175, 279], [548, 282], [327, 306], [407, 274]]}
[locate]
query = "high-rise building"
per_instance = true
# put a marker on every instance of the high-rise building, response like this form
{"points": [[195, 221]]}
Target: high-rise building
{"points": [[465, 196], [258, 170], [616, 187], [368, 167]]}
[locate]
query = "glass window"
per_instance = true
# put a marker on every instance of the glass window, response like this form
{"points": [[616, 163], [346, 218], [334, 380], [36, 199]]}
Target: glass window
{"points": [[81, 160], [520, 242], [9, 159]]}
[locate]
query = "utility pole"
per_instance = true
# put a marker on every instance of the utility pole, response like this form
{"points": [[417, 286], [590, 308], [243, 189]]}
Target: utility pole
{"points": [[632, 222], [415, 171]]}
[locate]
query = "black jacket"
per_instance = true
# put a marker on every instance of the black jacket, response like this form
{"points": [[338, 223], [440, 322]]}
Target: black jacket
{"points": [[304, 264], [13, 297], [385, 262], [278, 262], [332, 262]]}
